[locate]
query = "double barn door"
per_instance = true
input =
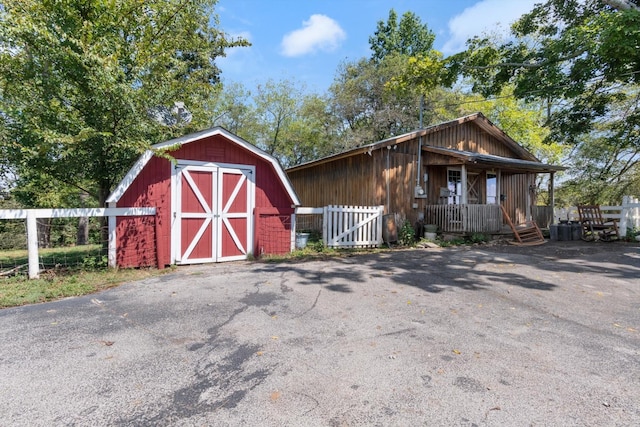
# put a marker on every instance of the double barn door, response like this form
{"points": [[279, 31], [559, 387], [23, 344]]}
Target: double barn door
{"points": [[213, 215]]}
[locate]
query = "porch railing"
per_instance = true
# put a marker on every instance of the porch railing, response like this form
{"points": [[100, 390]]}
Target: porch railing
{"points": [[465, 218]]}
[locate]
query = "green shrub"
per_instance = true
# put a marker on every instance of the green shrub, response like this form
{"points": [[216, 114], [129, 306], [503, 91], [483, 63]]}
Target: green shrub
{"points": [[407, 235], [478, 238]]}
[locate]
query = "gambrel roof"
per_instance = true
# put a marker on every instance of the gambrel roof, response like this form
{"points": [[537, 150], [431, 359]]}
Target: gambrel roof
{"points": [[197, 136]]}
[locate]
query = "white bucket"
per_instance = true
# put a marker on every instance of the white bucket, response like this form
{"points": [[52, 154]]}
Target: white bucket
{"points": [[430, 236], [301, 240]]}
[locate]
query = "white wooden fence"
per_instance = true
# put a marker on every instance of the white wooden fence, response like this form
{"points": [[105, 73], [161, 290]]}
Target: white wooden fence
{"points": [[627, 214], [31, 215], [349, 226]]}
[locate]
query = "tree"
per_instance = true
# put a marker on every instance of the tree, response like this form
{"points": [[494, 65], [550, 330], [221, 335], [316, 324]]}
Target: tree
{"points": [[79, 81], [579, 57], [410, 37], [290, 124], [366, 105], [231, 109], [379, 97]]}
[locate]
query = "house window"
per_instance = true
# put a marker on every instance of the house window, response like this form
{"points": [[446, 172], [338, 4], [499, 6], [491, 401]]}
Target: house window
{"points": [[454, 183], [492, 188]]}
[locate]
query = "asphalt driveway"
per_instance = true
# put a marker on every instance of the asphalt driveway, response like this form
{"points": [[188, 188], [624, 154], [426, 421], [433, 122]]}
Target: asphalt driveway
{"points": [[483, 335]]}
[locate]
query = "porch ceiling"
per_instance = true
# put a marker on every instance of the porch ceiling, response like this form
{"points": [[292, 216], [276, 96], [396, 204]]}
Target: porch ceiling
{"points": [[489, 160]]}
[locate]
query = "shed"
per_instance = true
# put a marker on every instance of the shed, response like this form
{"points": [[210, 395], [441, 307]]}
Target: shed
{"points": [[454, 174], [220, 198]]}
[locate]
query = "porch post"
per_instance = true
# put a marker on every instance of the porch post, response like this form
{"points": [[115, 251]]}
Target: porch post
{"points": [[463, 177], [529, 200], [552, 199]]}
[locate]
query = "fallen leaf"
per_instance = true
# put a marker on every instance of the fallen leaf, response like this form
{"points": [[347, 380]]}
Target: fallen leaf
{"points": [[259, 353], [617, 326], [408, 302], [456, 351], [275, 395], [274, 337]]}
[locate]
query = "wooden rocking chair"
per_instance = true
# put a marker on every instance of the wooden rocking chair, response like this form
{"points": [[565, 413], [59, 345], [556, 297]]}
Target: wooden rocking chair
{"points": [[595, 226], [526, 234]]}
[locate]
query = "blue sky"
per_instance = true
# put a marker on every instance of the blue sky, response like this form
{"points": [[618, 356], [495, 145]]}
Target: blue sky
{"points": [[306, 40]]}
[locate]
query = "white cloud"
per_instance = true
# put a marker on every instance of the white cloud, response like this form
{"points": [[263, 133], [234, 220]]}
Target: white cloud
{"points": [[318, 33], [486, 16]]}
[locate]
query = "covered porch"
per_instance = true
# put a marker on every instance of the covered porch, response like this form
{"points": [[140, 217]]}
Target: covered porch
{"points": [[463, 191]]}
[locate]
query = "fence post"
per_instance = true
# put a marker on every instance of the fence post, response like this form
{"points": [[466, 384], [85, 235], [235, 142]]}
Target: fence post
{"points": [[624, 215], [32, 245], [294, 229], [112, 221], [325, 225]]}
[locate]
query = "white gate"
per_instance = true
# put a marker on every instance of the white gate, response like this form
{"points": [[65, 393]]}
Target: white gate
{"points": [[352, 226]]}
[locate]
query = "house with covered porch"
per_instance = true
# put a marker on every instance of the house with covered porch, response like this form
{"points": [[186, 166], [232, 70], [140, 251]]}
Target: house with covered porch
{"points": [[455, 175]]}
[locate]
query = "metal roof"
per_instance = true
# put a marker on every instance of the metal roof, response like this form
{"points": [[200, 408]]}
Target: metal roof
{"points": [[492, 160], [477, 118]]}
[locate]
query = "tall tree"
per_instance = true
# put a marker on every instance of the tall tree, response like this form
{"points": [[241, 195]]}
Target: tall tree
{"points": [[379, 97], [408, 37], [576, 55], [79, 79], [582, 59], [290, 124], [231, 108]]}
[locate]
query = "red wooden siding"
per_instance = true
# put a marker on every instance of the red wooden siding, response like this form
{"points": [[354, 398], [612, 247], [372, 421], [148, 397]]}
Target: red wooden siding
{"points": [[137, 234], [151, 187]]}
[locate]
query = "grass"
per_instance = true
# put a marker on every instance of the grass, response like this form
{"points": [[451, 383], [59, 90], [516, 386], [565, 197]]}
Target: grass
{"points": [[68, 272], [82, 270]]}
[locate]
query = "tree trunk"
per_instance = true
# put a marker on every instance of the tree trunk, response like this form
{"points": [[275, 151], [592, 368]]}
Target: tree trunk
{"points": [[82, 238], [83, 231]]}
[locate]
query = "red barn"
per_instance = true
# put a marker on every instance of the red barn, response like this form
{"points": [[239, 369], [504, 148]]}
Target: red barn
{"points": [[221, 199]]}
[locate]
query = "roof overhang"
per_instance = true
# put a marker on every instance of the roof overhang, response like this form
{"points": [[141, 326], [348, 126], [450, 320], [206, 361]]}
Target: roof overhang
{"points": [[186, 139], [489, 160], [477, 118]]}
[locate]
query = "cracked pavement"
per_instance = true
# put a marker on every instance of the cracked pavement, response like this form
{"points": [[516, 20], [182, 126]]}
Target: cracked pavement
{"points": [[481, 335]]}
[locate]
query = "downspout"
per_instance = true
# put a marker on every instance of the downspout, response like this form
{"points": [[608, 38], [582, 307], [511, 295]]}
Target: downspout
{"points": [[418, 169]]}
